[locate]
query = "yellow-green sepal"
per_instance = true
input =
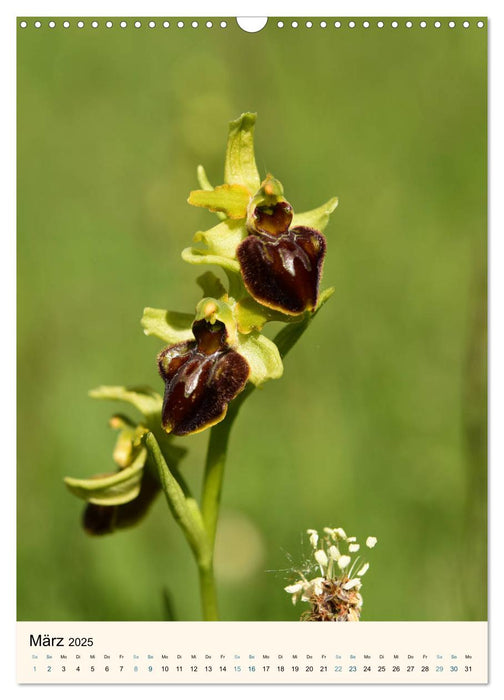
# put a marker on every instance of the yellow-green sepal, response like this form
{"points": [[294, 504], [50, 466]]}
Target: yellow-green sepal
{"points": [[171, 326], [240, 166], [231, 200], [111, 489], [146, 400], [205, 184], [252, 316], [316, 218], [203, 180], [262, 356], [224, 238], [196, 256]]}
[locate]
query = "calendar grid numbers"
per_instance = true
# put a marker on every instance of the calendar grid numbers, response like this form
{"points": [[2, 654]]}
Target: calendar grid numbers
{"points": [[252, 652]]}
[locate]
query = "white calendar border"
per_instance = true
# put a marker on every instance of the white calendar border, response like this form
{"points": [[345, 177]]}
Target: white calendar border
{"points": [[496, 454]]}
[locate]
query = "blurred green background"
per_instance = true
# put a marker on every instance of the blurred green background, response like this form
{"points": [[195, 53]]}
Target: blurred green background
{"points": [[379, 424]]}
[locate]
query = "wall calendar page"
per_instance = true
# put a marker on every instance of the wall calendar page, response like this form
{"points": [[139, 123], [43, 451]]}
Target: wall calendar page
{"points": [[252, 350]]}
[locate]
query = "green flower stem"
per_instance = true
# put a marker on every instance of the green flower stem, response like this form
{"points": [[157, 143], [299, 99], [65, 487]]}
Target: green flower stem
{"points": [[215, 464], [211, 496], [208, 592], [213, 477]]}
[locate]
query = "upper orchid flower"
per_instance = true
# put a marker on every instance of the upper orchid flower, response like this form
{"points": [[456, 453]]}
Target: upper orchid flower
{"points": [[280, 266], [278, 254]]}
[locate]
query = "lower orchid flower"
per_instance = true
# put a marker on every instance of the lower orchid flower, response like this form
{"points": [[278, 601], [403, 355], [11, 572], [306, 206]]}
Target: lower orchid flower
{"points": [[201, 377]]}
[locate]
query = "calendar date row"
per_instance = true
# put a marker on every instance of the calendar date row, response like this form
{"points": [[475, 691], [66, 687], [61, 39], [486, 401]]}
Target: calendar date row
{"points": [[305, 668]]}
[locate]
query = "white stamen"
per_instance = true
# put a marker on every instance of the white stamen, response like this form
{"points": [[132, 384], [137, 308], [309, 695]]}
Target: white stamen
{"points": [[339, 532], [353, 583], [363, 570], [344, 561], [334, 552], [353, 547], [321, 558], [370, 542]]}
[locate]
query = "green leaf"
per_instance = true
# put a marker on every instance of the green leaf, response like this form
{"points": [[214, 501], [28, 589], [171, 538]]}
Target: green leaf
{"points": [[323, 297], [111, 489], [262, 355], [240, 167], [184, 508], [316, 218], [224, 238], [171, 326], [232, 200], [144, 399], [210, 285]]}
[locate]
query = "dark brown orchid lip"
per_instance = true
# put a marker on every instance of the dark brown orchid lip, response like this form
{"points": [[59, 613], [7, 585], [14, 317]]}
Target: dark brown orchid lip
{"points": [[283, 272], [272, 220], [201, 377]]}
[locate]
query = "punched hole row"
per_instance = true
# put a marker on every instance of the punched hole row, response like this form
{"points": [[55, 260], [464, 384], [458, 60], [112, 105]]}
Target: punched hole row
{"points": [[123, 24], [380, 24], [223, 24]]}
